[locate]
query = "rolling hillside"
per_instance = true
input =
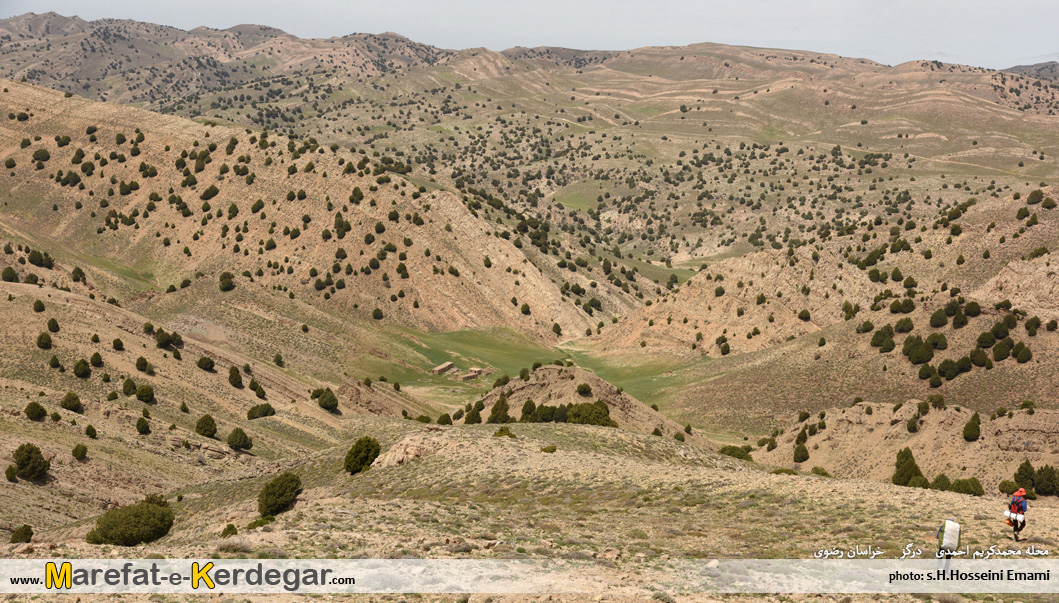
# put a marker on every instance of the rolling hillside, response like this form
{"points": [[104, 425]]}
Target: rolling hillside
{"points": [[133, 62], [641, 258]]}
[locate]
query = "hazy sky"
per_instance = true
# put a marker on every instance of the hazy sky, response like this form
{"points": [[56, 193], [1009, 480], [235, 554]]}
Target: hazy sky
{"points": [[988, 33]]}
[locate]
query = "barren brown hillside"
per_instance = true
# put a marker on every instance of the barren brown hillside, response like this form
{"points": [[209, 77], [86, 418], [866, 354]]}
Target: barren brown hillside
{"points": [[132, 464], [147, 63], [856, 443], [420, 234]]}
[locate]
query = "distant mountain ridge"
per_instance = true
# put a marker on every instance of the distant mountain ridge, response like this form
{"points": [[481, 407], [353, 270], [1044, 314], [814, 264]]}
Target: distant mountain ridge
{"points": [[1047, 70], [128, 61]]}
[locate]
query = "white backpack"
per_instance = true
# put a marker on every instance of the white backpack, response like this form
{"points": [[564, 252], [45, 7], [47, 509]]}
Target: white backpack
{"points": [[950, 535]]}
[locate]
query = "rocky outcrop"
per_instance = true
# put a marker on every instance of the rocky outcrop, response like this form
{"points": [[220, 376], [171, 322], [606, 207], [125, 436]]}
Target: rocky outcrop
{"points": [[1031, 285], [410, 448]]}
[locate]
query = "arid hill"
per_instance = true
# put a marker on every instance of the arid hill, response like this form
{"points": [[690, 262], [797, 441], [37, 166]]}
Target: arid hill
{"points": [[686, 248], [410, 242], [622, 499], [560, 385], [133, 62], [1048, 70], [858, 444]]}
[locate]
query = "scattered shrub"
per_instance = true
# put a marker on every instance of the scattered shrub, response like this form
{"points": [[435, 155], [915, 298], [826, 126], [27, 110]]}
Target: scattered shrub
{"points": [[967, 486], [23, 533], [146, 521], [1001, 351], [736, 452], [595, 413], [72, 403], [145, 393], [1007, 487], [238, 440], [504, 431], [987, 340], [227, 281], [972, 429], [260, 410], [1025, 475], [913, 424], [29, 462], [279, 494], [906, 468], [235, 379], [473, 417], [1046, 482], [919, 482], [498, 414], [939, 318], [362, 454], [261, 521], [941, 482], [328, 401], [35, 412], [206, 426]]}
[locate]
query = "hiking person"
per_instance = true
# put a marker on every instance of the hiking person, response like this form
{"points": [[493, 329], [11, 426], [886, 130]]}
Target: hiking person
{"points": [[1018, 507], [948, 541]]}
